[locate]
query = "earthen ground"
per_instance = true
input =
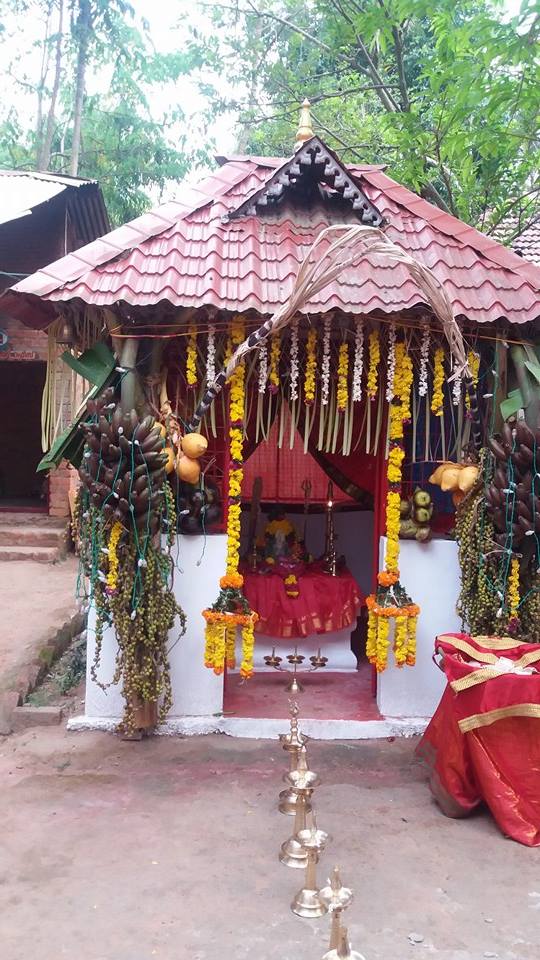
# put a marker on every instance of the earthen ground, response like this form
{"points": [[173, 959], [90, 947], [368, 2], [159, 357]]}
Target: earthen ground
{"points": [[167, 848], [36, 600]]}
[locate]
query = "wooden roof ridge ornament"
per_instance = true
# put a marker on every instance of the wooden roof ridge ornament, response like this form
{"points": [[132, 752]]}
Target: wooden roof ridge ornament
{"points": [[305, 127], [344, 246], [312, 157]]}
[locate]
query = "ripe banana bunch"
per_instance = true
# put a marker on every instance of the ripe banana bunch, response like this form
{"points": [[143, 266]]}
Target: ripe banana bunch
{"points": [[511, 499], [123, 465], [457, 478]]}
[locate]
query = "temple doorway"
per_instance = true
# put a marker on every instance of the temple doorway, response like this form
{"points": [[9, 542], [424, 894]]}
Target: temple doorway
{"points": [[308, 543]]}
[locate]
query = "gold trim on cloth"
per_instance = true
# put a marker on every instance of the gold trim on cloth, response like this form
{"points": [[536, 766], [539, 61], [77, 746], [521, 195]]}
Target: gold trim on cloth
{"points": [[499, 643], [490, 673], [467, 648], [485, 719]]}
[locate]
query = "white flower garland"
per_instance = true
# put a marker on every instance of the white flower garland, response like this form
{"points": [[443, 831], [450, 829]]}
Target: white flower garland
{"points": [[456, 391], [391, 368], [424, 360], [325, 367], [211, 354], [358, 365], [294, 360], [263, 366]]}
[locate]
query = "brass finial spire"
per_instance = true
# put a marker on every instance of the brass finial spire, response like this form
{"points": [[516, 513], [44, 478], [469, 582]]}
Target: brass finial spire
{"points": [[305, 129]]}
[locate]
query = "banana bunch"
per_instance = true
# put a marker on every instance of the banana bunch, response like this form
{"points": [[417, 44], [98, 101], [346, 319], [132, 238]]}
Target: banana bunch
{"points": [[456, 478], [510, 499], [123, 465]]}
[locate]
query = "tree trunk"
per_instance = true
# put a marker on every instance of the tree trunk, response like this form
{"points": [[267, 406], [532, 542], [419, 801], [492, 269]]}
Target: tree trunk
{"points": [[44, 157], [83, 28]]}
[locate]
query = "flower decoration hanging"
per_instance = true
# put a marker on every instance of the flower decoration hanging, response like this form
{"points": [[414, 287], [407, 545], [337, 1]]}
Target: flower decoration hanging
{"points": [[294, 360], [231, 609], [311, 366], [391, 368], [513, 599], [358, 364], [473, 359], [191, 357], [112, 575], [437, 400], [275, 356], [391, 600], [263, 366], [325, 369], [424, 359], [211, 354], [374, 359], [343, 374]]}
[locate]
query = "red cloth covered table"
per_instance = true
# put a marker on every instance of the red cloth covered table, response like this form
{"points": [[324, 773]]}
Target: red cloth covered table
{"points": [[483, 743], [324, 604]]}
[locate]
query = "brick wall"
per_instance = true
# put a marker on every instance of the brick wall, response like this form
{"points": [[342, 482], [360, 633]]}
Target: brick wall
{"points": [[22, 340]]}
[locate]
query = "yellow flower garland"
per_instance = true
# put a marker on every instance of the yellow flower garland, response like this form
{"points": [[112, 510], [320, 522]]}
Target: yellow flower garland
{"points": [[390, 601], [191, 357], [437, 400], [374, 359], [311, 366], [231, 609], [112, 575], [275, 355], [473, 359], [343, 374], [513, 588]]}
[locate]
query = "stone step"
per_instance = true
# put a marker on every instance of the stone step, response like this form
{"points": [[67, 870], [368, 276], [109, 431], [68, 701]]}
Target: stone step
{"points": [[40, 554], [27, 535]]}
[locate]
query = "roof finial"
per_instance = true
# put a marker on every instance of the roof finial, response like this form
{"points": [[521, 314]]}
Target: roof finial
{"points": [[305, 129]]}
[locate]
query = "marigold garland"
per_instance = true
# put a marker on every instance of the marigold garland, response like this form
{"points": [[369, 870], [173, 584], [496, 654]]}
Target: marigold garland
{"points": [[275, 355], [390, 600], [343, 374], [112, 575], [437, 400], [191, 358], [231, 609], [374, 360], [513, 598], [473, 359], [311, 366]]}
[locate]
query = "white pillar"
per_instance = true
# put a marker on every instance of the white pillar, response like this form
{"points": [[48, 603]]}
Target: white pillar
{"points": [[431, 576], [196, 690]]}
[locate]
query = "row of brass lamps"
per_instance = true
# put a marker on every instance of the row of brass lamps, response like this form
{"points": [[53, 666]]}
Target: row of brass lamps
{"points": [[304, 847]]}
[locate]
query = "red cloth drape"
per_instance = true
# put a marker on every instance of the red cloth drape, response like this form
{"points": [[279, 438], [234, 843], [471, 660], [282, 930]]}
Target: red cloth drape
{"points": [[483, 743], [323, 604]]}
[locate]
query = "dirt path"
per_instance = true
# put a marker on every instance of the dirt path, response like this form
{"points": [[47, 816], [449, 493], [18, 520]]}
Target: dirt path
{"points": [[36, 600], [168, 849]]}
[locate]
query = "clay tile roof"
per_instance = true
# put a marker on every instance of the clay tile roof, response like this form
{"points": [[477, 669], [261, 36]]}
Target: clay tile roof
{"points": [[189, 253]]}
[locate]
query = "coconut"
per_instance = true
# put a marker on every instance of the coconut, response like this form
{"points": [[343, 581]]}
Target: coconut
{"points": [[467, 478], [436, 476], [450, 477], [194, 445], [187, 469], [169, 466]]}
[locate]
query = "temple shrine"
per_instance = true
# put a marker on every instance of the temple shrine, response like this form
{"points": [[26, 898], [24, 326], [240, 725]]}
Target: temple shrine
{"points": [[298, 489]]}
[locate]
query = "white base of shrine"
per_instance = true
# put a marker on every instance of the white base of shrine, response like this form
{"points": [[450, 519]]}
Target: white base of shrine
{"points": [[268, 729], [336, 646]]}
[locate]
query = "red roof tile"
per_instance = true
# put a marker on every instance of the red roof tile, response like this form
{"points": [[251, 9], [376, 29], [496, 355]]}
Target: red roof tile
{"points": [[185, 253]]}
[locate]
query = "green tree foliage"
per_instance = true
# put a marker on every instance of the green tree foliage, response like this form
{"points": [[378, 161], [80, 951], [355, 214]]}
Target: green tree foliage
{"points": [[444, 93], [116, 135]]}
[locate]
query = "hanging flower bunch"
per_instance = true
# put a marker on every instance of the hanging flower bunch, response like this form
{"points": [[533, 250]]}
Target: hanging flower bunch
{"points": [[275, 355], [391, 601], [424, 360], [112, 575], [263, 366], [294, 360], [343, 377], [473, 359], [311, 366], [191, 357], [211, 355], [513, 599], [325, 369], [437, 400], [231, 609], [374, 360], [391, 367], [358, 364]]}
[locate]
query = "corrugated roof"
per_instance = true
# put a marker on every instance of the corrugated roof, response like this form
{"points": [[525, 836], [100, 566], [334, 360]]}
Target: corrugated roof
{"points": [[527, 243], [21, 191], [187, 254]]}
